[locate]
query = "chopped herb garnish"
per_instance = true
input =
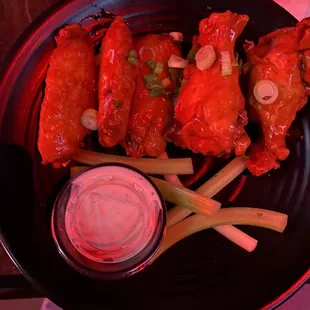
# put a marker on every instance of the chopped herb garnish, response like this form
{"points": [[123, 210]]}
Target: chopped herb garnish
{"points": [[159, 68], [133, 61], [133, 53], [157, 91], [151, 64], [133, 58], [191, 56], [116, 103], [149, 78], [154, 85]]}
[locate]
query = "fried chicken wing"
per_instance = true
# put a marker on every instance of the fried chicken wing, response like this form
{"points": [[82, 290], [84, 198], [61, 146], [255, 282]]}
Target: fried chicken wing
{"points": [[150, 116], [116, 83], [209, 113], [277, 58], [70, 90]]}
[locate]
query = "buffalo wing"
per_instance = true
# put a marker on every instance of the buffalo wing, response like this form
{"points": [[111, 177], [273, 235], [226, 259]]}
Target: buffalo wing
{"points": [[70, 90], [281, 57], [116, 83], [209, 113], [150, 115]]}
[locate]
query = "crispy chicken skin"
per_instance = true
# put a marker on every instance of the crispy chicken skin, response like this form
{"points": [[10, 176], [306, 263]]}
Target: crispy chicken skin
{"points": [[116, 83], [209, 113], [150, 116], [282, 57], [70, 90]]}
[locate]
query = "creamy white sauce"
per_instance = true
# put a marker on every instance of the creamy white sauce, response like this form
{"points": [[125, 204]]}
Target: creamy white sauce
{"points": [[112, 213]]}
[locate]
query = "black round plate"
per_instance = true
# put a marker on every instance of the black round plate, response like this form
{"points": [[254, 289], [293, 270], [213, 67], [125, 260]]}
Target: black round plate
{"points": [[204, 270]]}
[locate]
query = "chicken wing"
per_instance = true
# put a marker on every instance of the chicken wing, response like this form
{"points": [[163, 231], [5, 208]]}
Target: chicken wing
{"points": [[277, 58], [150, 115], [209, 113], [70, 90], [116, 83]]}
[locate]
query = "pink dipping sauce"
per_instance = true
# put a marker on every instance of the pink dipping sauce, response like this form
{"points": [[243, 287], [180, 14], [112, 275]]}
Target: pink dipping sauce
{"points": [[113, 214]]}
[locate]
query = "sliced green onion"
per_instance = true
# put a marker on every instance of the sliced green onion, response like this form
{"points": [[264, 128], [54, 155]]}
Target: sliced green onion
{"points": [[176, 76], [117, 104], [266, 91], [205, 57], [151, 64], [133, 61], [226, 63], [177, 62], [151, 80], [133, 53], [166, 82], [144, 48], [191, 56], [149, 77], [154, 86], [159, 68], [89, 119], [133, 58], [157, 91]]}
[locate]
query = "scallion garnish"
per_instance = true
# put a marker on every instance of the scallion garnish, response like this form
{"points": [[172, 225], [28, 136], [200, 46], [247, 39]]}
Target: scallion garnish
{"points": [[159, 68], [133, 61], [177, 62], [191, 56], [151, 64], [226, 63], [116, 103], [157, 91], [133, 58], [133, 53], [205, 57], [154, 86], [149, 78]]}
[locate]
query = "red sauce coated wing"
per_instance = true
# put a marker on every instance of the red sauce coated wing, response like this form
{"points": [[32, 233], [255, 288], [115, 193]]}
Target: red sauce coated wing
{"points": [[116, 83], [70, 90], [150, 116], [277, 58], [209, 114]]}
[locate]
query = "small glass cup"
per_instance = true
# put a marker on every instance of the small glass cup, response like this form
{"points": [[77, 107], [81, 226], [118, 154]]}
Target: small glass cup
{"points": [[108, 221]]}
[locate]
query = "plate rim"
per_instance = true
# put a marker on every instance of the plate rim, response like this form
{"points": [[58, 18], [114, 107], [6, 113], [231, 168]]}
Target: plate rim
{"points": [[7, 68]]}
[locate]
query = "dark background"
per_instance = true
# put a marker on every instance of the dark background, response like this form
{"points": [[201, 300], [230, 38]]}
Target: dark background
{"points": [[15, 16]]}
